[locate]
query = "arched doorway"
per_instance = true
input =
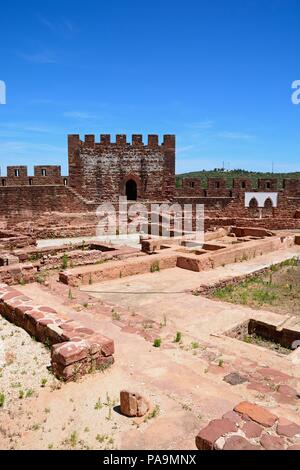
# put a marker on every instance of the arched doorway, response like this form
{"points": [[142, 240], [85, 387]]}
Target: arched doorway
{"points": [[131, 190], [253, 207], [268, 208]]}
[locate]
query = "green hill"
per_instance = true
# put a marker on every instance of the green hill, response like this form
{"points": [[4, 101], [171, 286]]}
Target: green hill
{"points": [[230, 174]]}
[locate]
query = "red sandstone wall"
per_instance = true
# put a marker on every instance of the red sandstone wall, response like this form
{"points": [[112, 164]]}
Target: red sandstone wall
{"points": [[31, 200], [99, 171]]}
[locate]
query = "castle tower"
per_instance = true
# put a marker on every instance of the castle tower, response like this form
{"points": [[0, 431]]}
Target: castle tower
{"points": [[102, 171]]}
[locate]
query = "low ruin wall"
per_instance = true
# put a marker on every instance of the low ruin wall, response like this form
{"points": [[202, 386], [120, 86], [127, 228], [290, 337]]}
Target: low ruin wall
{"points": [[172, 257], [75, 350], [21, 273], [233, 254], [113, 270]]}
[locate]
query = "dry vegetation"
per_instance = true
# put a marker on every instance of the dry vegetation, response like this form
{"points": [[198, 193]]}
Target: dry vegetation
{"points": [[278, 289]]}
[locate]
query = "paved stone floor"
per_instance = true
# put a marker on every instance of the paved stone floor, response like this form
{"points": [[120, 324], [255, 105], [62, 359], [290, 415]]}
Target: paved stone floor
{"points": [[185, 379], [129, 240]]}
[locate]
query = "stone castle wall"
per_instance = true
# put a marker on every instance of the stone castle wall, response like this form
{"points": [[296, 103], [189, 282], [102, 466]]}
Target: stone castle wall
{"points": [[100, 171], [221, 201]]}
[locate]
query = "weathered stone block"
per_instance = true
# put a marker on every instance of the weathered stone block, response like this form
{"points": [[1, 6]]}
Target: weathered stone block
{"points": [[133, 404], [256, 413], [217, 428]]}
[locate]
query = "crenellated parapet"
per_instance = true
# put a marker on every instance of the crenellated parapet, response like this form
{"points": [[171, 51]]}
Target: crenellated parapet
{"points": [[220, 187], [268, 184], [291, 187], [120, 140], [43, 175]]}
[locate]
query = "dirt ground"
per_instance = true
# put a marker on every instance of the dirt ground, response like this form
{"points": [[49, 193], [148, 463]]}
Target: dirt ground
{"points": [[32, 405]]}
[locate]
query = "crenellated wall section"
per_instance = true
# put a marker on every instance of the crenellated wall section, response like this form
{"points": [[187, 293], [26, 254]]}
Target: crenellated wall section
{"points": [[102, 169]]}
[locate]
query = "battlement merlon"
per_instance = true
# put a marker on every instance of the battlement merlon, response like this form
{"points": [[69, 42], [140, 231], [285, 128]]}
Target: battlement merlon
{"points": [[89, 141], [47, 170], [21, 171]]}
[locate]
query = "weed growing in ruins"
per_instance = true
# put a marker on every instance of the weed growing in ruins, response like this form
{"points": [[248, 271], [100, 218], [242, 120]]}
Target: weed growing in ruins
{"points": [[115, 315], [44, 382], [2, 400], [40, 278], [289, 262], [98, 405], [35, 257], [157, 343], [155, 412], [110, 403], [221, 363], [64, 261], [164, 322], [155, 267], [244, 298], [223, 293], [178, 337], [105, 439], [186, 407], [195, 345], [101, 437], [92, 368], [264, 297], [70, 295], [73, 439], [35, 427], [101, 261], [21, 394]]}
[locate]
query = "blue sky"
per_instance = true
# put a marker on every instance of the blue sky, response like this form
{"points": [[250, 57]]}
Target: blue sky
{"points": [[217, 73]]}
